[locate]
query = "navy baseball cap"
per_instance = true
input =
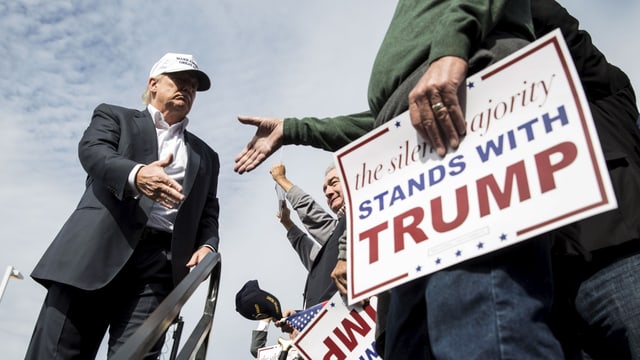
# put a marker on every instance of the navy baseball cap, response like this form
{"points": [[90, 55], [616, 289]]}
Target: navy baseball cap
{"points": [[254, 303]]}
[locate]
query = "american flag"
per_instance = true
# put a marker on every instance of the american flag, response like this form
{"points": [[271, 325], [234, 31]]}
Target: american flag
{"points": [[300, 319]]}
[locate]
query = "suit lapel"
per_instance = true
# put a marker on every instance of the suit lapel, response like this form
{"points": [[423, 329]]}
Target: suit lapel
{"points": [[193, 164], [149, 146], [149, 138]]}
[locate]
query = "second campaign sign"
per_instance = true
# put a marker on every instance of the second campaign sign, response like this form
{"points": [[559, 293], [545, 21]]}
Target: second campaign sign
{"points": [[530, 162]]}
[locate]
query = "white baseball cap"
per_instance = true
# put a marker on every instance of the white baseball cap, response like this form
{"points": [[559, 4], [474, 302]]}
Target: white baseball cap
{"points": [[172, 62]]}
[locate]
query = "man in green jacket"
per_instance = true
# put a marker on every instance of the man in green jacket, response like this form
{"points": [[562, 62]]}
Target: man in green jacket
{"points": [[492, 307]]}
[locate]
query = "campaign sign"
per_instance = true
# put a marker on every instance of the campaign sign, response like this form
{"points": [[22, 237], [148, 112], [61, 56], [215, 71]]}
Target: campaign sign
{"points": [[339, 332], [530, 162]]}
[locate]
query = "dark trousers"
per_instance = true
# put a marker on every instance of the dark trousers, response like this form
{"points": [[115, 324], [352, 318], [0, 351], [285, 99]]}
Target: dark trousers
{"points": [[73, 322]]}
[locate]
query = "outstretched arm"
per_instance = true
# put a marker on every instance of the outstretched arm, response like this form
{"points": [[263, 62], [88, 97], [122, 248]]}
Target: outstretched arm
{"points": [[329, 134]]}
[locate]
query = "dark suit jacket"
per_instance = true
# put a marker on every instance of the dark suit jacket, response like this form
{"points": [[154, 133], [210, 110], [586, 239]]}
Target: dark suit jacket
{"points": [[320, 286], [100, 235], [613, 106]]}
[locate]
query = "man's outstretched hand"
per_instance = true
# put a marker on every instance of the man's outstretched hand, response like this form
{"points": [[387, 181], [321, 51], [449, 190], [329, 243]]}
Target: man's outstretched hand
{"points": [[266, 141]]}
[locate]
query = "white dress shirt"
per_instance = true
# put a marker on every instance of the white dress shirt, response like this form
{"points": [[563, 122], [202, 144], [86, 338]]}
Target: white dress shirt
{"points": [[170, 141]]}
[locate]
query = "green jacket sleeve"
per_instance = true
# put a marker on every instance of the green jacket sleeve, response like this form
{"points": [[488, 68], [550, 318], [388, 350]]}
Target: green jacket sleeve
{"points": [[466, 23], [328, 134]]}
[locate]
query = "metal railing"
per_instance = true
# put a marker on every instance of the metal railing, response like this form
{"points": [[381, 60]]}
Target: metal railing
{"points": [[155, 326]]}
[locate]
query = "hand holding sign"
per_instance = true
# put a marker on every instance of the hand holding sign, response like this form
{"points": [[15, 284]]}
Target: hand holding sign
{"points": [[529, 136]]}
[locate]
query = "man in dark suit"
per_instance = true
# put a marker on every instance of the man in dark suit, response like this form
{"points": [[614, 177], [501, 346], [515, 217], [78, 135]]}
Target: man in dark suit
{"points": [[149, 213]]}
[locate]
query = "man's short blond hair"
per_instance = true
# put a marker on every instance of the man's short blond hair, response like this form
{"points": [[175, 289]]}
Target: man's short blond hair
{"points": [[146, 95]]}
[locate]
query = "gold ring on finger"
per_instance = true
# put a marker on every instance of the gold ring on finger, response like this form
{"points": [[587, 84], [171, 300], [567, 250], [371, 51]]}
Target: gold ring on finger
{"points": [[437, 107]]}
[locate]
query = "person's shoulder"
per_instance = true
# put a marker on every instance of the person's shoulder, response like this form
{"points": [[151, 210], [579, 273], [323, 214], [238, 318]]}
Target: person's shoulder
{"points": [[195, 140], [117, 109]]}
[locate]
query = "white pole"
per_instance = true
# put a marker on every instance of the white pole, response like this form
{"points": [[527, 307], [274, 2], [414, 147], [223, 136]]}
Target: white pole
{"points": [[10, 273]]}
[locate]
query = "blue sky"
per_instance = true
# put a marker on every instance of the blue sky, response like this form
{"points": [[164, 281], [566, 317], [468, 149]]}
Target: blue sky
{"points": [[60, 59]]}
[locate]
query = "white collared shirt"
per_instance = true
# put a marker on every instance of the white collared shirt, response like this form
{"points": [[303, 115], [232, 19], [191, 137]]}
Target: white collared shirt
{"points": [[170, 141]]}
